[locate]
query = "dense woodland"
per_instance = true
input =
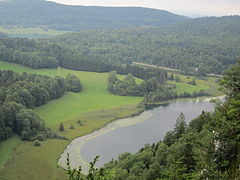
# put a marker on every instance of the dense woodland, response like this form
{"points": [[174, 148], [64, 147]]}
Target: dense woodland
{"points": [[197, 46], [45, 54], [20, 93], [50, 15], [207, 148], [36, 53], [31, 53]]}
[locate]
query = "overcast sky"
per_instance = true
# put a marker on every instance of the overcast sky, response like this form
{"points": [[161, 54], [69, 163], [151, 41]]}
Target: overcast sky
{"points": [[204, 7]]}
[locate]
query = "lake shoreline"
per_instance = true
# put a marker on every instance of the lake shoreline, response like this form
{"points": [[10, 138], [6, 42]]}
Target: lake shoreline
{"points": [[75, 145], [78, 142]]}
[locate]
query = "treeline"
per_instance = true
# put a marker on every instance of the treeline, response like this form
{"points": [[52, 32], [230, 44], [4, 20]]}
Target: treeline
{"points": [[196, 47], [36, 53], [75, 61], [152, 89], [32, 53], [207, 148], [153, 98], [128, 86], [19, 93], [45, 54]]}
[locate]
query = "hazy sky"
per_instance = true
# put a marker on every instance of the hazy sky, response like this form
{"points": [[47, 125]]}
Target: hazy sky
{"points": [[204, 7]]}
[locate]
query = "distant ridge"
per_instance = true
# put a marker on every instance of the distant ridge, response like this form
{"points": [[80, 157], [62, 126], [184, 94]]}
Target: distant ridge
{"points": [[40, 13]]}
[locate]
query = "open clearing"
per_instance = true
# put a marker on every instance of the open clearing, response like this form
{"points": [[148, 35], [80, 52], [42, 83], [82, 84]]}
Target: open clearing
{"points": [[93, 97]]}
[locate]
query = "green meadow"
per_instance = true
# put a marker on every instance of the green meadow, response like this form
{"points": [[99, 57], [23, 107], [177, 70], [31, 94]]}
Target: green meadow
{"points": [[7, 148], [94, 106], [93, 97], [209, 85]]}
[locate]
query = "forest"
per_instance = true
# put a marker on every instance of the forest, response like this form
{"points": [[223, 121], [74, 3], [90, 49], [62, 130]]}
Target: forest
{"points": [[206, 148], [20, 93], [197, 47], [51, 15], [39, 54], [31, 53]]}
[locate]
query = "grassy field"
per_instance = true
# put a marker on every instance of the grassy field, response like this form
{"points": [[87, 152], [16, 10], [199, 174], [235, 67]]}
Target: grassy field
{"points": [[7, 148], [93, 97], [30, 32], [94, 106], [40, 163], [210, 85]]}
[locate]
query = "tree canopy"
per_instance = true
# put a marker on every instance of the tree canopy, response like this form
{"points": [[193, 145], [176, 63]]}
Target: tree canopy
{"points": [[19, 93], [197, 46]]}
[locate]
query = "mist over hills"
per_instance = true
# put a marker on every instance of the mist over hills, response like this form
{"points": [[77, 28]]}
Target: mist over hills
{"points": [[40, 13]]}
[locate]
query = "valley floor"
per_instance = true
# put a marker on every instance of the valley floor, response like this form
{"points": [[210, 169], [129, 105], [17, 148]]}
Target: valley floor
{"points": [[94, 106]]}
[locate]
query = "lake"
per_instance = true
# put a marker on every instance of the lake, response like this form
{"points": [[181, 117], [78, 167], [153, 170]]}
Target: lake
{"points": [[130, 134]]}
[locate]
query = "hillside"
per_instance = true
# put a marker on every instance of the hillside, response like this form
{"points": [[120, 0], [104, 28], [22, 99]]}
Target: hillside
{"points": [[207, 44], [50, 15]]}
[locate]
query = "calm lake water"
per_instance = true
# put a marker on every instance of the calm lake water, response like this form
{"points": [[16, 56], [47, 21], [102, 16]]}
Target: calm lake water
{"points": [[132, 138]]}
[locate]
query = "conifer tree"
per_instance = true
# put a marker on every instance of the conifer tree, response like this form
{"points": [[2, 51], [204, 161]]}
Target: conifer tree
{"points": [[61, 127]]}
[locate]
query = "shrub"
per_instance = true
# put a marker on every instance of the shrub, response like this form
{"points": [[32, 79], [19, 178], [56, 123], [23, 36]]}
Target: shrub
{"points": [[61, 127], [37, 143]]}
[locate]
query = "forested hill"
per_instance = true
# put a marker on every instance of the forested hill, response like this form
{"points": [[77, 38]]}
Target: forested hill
{"points": [[208, 45], [40, 13]]}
